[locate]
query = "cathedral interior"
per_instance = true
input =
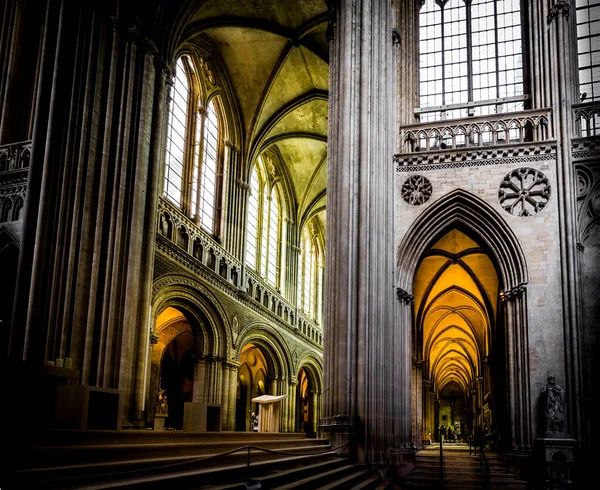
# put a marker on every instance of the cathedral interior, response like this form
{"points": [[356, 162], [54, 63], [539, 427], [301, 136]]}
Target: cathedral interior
{"points": [[385, 213]]}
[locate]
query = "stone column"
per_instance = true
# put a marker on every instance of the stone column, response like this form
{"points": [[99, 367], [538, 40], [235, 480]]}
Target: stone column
{"points": [[200, 382], [417, 399], [229, 394], [406, 40], [564, 86], [515, 306], [359, 301], [291, 403], [20, 35], [479, 406], [403, 436]]}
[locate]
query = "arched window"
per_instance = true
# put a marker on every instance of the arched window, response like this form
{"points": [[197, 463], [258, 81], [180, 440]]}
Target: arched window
{"points": [[194, 138], [208, 180], [470, 58], [264, 226], [176, 134], [310, 274]]}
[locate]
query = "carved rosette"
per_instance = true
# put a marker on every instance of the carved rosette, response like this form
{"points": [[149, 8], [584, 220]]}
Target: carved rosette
{"points": [[416, 190], [524, 192]]}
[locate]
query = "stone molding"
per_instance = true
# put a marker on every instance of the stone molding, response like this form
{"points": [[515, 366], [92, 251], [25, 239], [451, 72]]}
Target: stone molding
{"points": [[475, 157]]}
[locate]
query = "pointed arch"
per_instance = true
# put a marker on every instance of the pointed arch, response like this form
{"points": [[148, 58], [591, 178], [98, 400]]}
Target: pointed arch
{"points": [[460, 208]]}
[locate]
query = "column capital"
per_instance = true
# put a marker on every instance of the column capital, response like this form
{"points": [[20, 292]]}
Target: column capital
{"points": [[418, 363], [404, 296], [559, 7]]}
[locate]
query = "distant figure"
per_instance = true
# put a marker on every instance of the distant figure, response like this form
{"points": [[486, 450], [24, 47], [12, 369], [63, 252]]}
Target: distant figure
{"points": [[554, 397]]}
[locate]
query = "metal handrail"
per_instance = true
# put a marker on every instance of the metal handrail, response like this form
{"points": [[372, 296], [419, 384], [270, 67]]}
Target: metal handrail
{"points": [[206, 458]]}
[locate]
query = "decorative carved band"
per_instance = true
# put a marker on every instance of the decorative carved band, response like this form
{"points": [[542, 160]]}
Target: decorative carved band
{"points": [[513, 293], [470, 157]]}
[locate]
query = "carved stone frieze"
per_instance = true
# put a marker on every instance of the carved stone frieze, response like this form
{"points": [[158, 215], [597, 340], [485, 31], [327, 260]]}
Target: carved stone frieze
{"points": [[474, 157]]}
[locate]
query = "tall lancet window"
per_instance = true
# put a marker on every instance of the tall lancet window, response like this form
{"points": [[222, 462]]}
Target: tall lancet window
{"points": [[470, 58], [208, 178], [264, 226], [309, 272], [194, 156], [176, 134]]}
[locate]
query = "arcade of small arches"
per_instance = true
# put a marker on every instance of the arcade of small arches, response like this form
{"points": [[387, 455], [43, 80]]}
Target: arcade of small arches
{"points": [[206, 359]]}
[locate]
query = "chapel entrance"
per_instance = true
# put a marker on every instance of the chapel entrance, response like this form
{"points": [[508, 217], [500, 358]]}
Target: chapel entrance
{"points": [[459, 338]]}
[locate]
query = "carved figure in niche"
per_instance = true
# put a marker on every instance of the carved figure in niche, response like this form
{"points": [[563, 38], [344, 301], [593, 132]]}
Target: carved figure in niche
{"points": [[164, 225], [553, 396], [235, 328], [161, 402]]}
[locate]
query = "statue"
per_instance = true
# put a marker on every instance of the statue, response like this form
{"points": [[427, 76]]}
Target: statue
{"points": [[161, 402], [553, 396]]}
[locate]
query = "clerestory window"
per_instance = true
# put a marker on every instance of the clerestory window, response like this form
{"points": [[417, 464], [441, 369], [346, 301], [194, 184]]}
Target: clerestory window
{"points": [[588, 54], [310, 273], [264, 230], [470, 58], [194, 152]]}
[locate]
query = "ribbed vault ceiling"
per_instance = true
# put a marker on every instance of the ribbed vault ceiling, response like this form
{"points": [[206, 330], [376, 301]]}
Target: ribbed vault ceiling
{"points": [[276, 57], [456, 291]]}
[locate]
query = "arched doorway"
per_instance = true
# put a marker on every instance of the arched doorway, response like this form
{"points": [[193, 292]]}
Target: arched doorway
{"points": [[306, 417]]}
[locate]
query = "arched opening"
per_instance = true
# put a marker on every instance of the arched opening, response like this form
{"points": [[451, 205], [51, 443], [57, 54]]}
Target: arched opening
{"points": [[177, 377], [306, 401], [462, 286], [176, 367], [252, 382], [456, 309]]}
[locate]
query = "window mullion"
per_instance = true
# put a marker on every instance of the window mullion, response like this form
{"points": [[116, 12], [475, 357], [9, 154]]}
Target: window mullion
{"points": [[188, 152], [201, 119], [497, 52], [469, 53], [443, 58]]}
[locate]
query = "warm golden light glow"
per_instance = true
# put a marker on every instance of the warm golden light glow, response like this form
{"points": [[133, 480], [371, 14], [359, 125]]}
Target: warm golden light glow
{"points": [[456, 289]]}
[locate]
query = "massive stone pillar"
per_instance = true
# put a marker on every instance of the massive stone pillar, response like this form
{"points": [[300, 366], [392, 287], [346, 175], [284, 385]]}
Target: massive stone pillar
{"points": [[359, 275], [85, 266]]}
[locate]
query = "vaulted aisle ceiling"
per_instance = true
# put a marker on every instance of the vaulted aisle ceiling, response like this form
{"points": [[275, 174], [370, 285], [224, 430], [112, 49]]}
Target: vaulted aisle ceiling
{"points": [[456, 294], [276, 58]]}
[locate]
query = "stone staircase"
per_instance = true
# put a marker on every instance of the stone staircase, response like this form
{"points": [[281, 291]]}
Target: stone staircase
{"points": [[462, 471], [95, 460]]}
